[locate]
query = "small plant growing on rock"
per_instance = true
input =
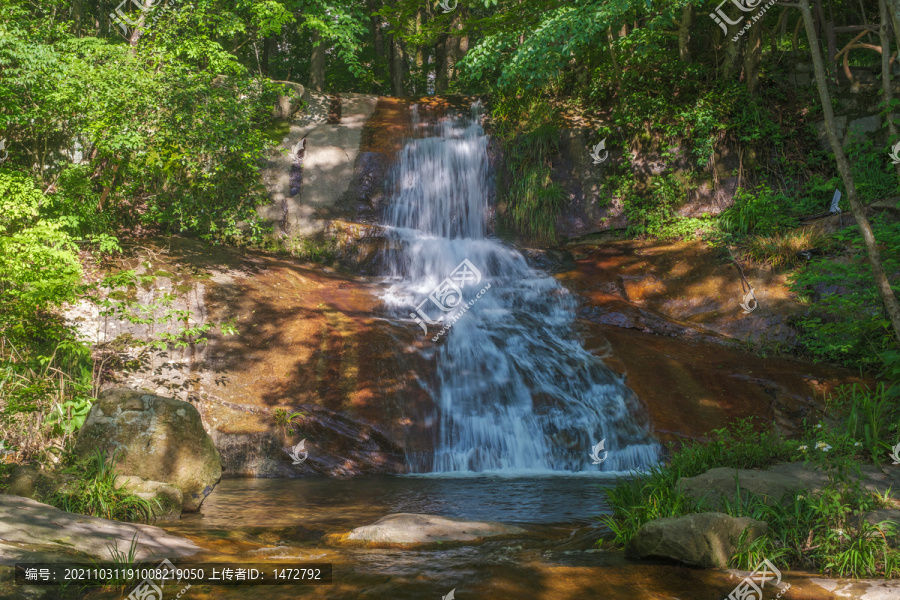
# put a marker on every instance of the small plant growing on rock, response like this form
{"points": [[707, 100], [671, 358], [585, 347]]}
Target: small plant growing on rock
{"points": [[286, 419]]}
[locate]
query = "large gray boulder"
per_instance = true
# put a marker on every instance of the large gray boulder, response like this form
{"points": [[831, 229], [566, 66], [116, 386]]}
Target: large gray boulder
{"points": [[701, 539], [155, 439], [410, 528]]}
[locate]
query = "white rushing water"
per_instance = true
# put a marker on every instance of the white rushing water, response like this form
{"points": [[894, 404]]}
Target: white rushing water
{"points": [[516, 390]]}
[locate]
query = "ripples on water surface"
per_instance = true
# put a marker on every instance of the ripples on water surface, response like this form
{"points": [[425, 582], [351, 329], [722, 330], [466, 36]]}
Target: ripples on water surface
{"points": [[335, 504]]}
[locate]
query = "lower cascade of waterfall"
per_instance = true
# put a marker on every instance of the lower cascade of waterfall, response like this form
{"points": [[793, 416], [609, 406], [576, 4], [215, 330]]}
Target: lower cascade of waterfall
{"points": [[516, 390]]}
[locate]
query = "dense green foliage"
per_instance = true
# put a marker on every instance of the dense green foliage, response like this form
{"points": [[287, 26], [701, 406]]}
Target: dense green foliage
{"points": [[103, 141], [846, 321]]}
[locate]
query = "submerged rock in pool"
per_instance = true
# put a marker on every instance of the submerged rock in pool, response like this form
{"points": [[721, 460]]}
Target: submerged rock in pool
{"points": [[409, 528]]}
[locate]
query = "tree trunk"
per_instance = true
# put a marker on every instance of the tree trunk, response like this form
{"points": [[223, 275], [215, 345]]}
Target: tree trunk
{"points": [[885, 37], [453, 46], [685, 28], [317, 63], [830, 40], [77, 11], [894, 9], [891, 306], [617, 71], [398, 66], [267, 50], [378, 67], [462, 46], [138, 28], [732, 56], [752, 56], [442, 65], [421, 77]]}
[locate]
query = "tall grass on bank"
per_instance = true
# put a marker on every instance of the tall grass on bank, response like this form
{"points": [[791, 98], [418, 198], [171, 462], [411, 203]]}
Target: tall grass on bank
{"points": [[826, 530], [534, 200], [44, 397], [782, 249], [640, 500]]}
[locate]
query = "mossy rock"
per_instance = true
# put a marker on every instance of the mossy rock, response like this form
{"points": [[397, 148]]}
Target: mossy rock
{"points": [[155, 439]]}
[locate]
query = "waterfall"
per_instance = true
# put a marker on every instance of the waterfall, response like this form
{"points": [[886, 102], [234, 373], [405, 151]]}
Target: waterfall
{"points": [[515, 388]]}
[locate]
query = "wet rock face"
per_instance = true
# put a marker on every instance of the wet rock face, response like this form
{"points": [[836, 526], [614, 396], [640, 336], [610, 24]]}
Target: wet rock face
{"points": [[685, 283], [364, 199], [155, 439], [702, 539]]}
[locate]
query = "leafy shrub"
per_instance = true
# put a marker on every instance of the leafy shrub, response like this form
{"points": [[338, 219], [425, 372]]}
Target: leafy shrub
{"points": [[759, 210], [287, 419], [688, 228], [872, 173], [846, 321], [651, 214], [41, 363]]}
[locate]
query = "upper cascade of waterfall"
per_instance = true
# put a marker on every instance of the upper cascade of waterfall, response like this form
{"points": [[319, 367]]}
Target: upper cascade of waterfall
{"points": [[516, 390], [441, 180]]}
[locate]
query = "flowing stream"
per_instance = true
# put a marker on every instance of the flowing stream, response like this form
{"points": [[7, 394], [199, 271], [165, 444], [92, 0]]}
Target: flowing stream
{"points": [[516, 390]]}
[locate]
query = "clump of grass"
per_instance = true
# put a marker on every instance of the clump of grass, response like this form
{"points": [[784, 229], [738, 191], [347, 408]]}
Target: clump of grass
{"points": [[534, 200], [653, 495], [317, 249], [95, 493], [822, 531], [287, 419], [781, 249], [123, 561], [861, 422]]}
